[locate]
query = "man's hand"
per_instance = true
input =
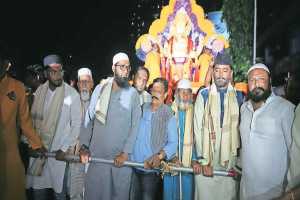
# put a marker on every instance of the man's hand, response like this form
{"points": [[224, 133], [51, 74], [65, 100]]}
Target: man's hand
{"points": [[120, 159], [197, 168], [60, 155], [155, 160], [37, 153], [84, 154], [176, 161], [207, 170]]}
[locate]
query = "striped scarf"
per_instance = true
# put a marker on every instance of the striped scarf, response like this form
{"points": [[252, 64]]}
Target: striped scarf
{"points": [[228, 140]]}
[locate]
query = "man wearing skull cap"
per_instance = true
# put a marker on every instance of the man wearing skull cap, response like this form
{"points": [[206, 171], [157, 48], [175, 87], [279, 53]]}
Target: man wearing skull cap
{"points": [[266, 124], [56, 114], [109, 132]]}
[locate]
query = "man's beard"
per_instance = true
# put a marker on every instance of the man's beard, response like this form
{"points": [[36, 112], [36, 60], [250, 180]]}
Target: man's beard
{"points": [[56, 83], [183, 105], [85, 95], [259, 94], [122, 82]]}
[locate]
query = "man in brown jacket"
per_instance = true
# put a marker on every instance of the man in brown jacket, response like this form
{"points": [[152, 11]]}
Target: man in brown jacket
{"points": [[13, 106]]}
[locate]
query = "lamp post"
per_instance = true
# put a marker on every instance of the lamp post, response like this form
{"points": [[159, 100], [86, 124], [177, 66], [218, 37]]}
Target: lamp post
{"points": [[254, 30]]}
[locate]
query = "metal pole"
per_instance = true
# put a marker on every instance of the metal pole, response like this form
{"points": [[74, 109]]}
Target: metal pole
{"points": [[254, 27], [72, 158], [179, 158]]}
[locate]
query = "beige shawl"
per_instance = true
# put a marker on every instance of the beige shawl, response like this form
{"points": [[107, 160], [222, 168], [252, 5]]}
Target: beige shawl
{"points": [[45, 123], [103, 100], [227, 141], [188, 134]]}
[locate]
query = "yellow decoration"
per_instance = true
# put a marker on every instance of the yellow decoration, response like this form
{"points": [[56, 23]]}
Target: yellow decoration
{"points": [[152, 63], [178, 56], [204, 61]]}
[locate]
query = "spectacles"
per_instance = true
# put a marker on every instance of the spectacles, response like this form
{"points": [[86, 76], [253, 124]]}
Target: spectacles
{"points": [[123, 67]]}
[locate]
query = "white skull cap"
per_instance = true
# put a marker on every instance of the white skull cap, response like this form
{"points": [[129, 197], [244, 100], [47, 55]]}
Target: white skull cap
{"points": [[259, 66], [184, 84], [120, 56], [84, 71]]}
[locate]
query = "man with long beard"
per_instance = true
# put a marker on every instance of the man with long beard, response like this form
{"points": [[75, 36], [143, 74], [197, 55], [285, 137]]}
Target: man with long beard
{"points": [[265, 128], [109, 132], [76, 176], [186, 155], [216, 122]]}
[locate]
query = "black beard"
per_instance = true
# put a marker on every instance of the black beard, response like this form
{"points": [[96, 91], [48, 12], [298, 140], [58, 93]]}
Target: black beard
{"points": [[122, 82], [259, 94]]}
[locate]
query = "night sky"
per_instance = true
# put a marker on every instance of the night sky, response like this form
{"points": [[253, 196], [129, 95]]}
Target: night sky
{"points": [[83, 32]]}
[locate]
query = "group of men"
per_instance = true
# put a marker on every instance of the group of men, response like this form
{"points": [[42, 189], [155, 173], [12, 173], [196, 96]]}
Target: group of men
{"points": [[221, 130]]}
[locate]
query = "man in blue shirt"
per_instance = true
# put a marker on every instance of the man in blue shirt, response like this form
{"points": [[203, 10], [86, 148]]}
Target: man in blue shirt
{"points": [[157, 140]]}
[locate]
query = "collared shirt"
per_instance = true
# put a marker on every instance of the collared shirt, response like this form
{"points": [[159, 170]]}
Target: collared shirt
{"points": [[142, 148], [266, 139], [145, 97]]}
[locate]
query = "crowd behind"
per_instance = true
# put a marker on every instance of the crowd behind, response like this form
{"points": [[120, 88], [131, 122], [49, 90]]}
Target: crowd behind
{"points": [[252, 137]]}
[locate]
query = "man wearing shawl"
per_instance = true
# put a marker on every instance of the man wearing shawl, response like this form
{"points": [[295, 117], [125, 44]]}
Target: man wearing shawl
{"points": [[217, 139], [109, 132], [186, 155], [157, 140], [56, 117]]}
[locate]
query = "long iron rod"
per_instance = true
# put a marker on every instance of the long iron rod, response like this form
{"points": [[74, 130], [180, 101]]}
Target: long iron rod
{"points": [[73, 158]]}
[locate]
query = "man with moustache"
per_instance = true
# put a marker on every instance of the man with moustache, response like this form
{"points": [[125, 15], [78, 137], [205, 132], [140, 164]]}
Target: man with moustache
{"points": [[157, 140], [109, 132], [140, 80], [266, 122], [217, 138], [85, 86], [186, 155], [56, 114]]}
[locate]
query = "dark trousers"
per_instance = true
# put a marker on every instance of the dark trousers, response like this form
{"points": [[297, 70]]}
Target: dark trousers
{"points": [[145, 186], [50, 194]]}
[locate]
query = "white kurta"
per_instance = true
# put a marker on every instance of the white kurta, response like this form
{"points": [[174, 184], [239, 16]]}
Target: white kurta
{"points": [[266, 139], [67, 132], [294, 170]]}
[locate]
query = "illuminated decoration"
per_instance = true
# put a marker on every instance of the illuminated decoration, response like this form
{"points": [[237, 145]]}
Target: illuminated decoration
{"points": [[181, 43]]}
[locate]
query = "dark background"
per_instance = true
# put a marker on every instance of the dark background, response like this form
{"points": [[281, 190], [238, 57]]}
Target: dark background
{"points": [[91, 32]]}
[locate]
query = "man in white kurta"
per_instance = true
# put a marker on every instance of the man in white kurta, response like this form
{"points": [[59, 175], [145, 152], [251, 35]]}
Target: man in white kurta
{"points": [[77, 170], [56, 113], [265, 128]]}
